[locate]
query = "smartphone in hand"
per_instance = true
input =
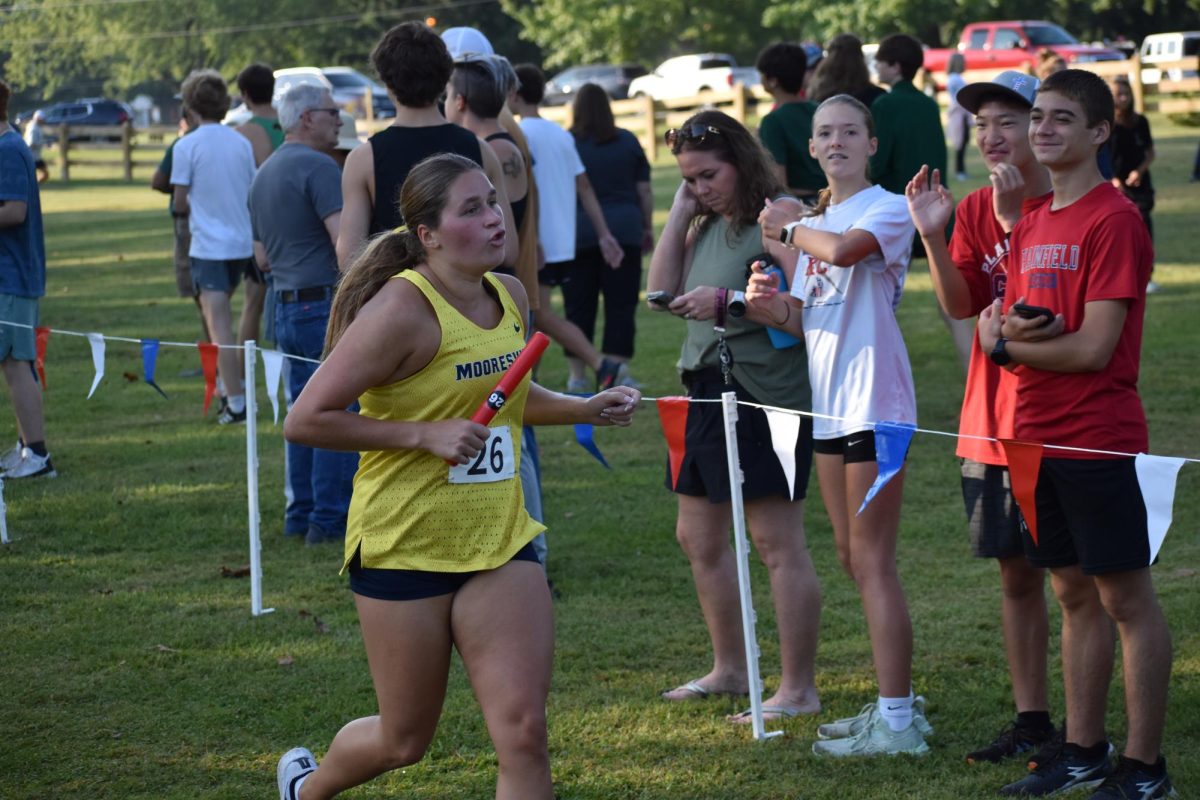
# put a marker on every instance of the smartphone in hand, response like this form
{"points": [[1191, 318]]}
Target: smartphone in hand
{"points": [[1033, 312], [662, 299]]}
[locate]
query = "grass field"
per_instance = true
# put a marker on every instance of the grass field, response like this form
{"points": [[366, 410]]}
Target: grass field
{"points": [[132, 669]]}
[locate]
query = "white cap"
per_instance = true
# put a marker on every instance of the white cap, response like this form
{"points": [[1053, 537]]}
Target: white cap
{"points": [[348, 134], [460, 41]]}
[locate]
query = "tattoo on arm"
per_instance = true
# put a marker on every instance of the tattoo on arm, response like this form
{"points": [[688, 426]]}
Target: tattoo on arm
{"points": [[512, 167]]}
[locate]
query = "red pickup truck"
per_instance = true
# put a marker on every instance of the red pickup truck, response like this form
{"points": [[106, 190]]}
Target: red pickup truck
{"points": [[1012, 45]]}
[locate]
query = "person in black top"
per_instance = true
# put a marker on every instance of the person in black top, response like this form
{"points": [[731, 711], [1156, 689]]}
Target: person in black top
{"points": [[475, 96], [414, 64], [1132, 150]]}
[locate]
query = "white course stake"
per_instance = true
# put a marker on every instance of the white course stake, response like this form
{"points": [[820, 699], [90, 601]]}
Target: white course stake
{"points": [[251, 359], [3, 516], [742, 550]]}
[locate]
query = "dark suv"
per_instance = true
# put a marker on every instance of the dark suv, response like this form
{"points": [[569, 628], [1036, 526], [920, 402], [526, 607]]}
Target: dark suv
{"points": [[612, 78], [92, 111]]}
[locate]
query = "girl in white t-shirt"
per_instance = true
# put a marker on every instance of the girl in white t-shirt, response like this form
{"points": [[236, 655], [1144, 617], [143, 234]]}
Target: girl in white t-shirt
{"points": [[854, 250]]}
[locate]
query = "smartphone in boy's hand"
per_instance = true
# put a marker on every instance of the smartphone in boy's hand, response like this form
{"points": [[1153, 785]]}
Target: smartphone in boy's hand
{"points": [[1025, 311]]}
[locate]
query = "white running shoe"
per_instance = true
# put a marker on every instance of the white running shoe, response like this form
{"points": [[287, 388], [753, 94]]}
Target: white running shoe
{"points": [[11, 458], [851, 726], [295, 765], [875, 739], [32, 466]]}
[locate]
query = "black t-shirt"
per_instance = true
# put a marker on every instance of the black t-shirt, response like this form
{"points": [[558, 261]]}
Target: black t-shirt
{"points": [[1129, 146]]}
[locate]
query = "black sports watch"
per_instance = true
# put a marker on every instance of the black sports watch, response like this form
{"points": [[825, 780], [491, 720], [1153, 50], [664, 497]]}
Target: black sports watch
{"points": [[999, 354], [737, 304]]}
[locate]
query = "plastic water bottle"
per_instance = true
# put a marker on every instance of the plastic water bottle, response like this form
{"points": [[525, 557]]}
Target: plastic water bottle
{"points": [[780, 340]]}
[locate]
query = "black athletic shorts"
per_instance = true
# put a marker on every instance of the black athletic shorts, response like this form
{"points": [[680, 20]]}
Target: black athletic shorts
{"points": [[992, 514], [854, 448], [415, 584], [1089, 512], [555, 274], [705, 469]]}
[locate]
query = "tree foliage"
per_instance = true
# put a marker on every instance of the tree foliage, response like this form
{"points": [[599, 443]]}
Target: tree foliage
{"points": [[589, 31], [56, 49]]}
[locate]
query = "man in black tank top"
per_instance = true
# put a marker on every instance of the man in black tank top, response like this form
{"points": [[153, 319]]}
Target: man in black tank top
{"points": [[415, 66]]}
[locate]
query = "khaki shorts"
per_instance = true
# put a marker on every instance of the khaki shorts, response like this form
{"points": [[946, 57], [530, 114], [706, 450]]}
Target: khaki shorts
{"points": [[183, 264]]}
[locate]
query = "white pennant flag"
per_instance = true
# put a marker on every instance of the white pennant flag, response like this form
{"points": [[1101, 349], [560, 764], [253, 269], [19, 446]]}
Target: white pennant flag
{"points": [[785, 428], [273, 367], [1156, 477], [96, 340]]}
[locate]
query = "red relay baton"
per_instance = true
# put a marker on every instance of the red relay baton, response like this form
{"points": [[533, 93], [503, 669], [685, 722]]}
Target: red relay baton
{"points": [[495, 401]]}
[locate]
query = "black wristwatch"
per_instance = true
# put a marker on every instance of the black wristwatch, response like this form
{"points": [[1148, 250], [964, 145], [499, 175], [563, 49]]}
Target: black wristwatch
{"points": [[737, 304], [999, 354]]}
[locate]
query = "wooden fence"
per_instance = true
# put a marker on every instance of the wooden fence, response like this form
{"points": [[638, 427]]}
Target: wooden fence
{"points": [[648, 119], [128, 140]]}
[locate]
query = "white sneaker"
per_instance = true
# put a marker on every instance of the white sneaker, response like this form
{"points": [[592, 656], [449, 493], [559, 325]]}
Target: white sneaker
{"points": [[32, 466], [852, 726], [295, 765], [11, 458], [875, 739], [579, 385]]}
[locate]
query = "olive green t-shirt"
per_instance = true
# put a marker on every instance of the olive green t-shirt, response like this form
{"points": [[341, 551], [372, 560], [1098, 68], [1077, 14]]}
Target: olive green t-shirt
{"points": [[773, 377]]}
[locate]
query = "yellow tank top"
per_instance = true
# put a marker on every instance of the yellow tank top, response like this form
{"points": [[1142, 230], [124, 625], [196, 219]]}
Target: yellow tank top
{"points": [[405, 512]]}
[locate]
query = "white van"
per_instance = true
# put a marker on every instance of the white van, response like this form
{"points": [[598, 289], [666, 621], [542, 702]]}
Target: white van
{"points": [[1158, 48]]}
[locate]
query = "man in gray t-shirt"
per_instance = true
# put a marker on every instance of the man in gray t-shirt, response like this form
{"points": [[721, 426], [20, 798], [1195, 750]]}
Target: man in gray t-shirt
{"points": [[295, 208]]}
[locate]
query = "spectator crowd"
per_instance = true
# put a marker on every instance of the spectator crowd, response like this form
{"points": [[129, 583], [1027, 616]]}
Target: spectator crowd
{"points": [[399, 261]]}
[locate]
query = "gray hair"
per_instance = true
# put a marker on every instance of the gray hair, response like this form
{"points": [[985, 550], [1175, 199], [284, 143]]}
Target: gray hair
{"points": [[295, 101]]}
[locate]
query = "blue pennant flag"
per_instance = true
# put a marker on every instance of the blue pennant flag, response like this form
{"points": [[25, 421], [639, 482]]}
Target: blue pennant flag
{"points": [[891, 447], [149, 360], [583, 435]]}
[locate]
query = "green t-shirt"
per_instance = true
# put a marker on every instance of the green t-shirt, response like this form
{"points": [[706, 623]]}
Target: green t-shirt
{"points": [[774, 377], [785, 133], [164, 167], [908, 125]]}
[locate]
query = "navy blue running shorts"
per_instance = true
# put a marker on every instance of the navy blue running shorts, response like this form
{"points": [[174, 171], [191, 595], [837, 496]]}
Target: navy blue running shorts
{"points": [[415, 584]]}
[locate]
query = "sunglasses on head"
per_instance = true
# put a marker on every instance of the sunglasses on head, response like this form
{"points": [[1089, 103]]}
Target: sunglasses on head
{"points": [[696, 132]]}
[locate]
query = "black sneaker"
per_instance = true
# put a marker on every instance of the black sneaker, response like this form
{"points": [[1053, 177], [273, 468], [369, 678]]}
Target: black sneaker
{"points": [[1012, 741], [611, 373], [230, 417], [1130, 782], [1050, 749], [1069, 769], [317, 535]]}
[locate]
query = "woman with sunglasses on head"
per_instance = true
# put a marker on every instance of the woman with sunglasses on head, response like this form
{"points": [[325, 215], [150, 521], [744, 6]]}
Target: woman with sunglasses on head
{"points": [[438, 542], [711, 235], [853, 254]]}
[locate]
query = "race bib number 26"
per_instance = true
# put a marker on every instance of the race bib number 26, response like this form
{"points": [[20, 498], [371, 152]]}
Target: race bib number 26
{"points": [[493, 463]]}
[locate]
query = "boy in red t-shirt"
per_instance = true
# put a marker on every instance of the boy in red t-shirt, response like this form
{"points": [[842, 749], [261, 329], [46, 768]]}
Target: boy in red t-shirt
{"points": [[1086, 257], [967, 277]]}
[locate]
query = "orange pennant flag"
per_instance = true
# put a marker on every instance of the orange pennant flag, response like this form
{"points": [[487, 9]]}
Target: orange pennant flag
{"points": [[41, 337], [208, 361], [1024, 462], [672, 413]]}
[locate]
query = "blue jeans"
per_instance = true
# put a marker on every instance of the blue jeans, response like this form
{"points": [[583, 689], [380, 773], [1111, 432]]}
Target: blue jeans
{"points": [[319, 482]]}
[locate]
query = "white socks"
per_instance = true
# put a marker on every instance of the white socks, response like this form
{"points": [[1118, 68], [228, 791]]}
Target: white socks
{"points": [[897, 711], [237, 403]]}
